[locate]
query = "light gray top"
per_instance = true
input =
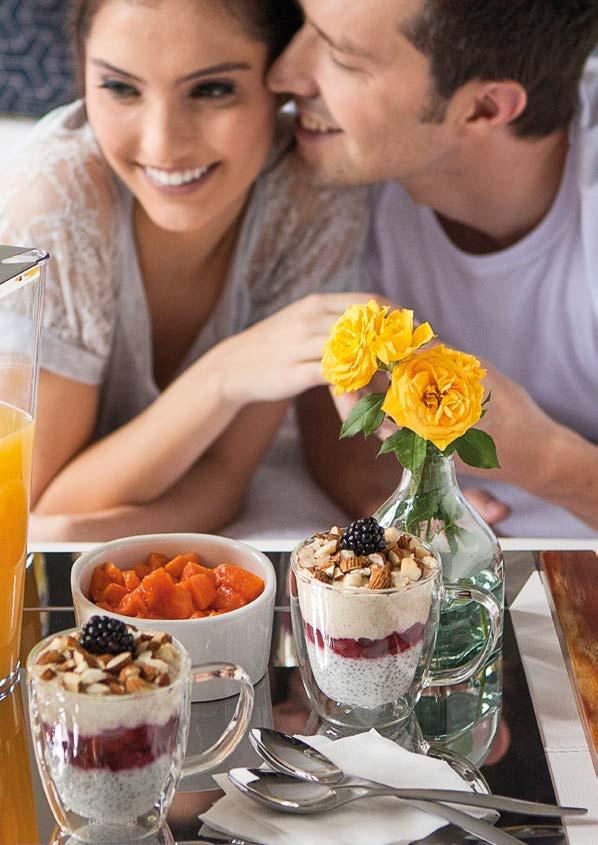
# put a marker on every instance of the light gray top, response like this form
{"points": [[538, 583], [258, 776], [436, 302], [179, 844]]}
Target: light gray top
{"points": [[57, 193]]}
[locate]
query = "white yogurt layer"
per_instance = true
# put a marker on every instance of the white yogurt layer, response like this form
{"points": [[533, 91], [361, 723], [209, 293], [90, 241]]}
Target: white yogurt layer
{"points": [[112, 797], [352, 614], [364, 682]]}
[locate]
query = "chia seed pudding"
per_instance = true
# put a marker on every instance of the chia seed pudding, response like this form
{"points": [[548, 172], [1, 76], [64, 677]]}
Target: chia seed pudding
{"points": [[364, 612], [109, 723]]}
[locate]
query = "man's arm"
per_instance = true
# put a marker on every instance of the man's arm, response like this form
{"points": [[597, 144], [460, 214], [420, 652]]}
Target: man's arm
{"points": [[347, 470], [537, 453]]}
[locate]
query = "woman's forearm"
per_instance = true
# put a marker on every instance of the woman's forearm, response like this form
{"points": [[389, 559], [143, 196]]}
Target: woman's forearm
{"points": [[140, 461]]}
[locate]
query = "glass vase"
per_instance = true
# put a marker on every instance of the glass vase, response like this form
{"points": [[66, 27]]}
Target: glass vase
{"points": [[430, 504]]}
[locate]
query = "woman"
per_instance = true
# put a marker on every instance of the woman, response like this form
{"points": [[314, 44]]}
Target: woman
{"points": [[179, 226]]}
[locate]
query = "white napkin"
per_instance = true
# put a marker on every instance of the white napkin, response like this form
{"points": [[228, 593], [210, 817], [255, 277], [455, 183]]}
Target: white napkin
{"points": [[369, 821]]}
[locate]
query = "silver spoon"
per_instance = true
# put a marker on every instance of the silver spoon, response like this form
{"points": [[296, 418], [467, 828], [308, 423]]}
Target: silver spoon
{"points": [[291, 756], [286, 793]]}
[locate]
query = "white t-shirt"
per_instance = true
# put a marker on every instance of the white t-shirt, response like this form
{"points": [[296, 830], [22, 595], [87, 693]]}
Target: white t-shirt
{"points": [[531, 309]]}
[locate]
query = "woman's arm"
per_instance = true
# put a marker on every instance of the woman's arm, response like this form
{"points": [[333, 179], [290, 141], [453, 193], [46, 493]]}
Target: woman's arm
{"points": [[139, 462], [207, 497]]}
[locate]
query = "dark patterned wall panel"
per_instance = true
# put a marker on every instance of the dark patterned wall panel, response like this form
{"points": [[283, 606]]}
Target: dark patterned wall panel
{"points": [[35, 66]]}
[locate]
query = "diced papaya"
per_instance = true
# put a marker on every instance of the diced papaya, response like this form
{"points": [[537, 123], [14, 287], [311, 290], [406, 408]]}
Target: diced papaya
{"points": [[175, 566], [133, 604], [113, 574], [245, 583], [180, 606], [158, 590], [202, 590], [155, 560], [142, 569], [98, 584], [132, 580], [192, 569], [198, 614], [228, 599], [113, 594]]}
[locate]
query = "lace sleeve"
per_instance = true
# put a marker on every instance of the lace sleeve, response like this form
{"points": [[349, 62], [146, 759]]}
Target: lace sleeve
{"points": [[57, 197], [309, 239]]}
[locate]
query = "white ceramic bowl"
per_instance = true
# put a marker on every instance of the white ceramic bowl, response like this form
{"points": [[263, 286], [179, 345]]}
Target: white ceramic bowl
{"points": [[240, 636]]}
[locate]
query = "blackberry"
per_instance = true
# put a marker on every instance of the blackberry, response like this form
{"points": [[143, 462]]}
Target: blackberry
{"points": [[104, 635], [364, 536]]}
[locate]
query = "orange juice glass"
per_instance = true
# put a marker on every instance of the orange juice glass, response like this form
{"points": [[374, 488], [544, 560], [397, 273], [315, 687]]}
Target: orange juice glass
{"points": [[21, 300]]}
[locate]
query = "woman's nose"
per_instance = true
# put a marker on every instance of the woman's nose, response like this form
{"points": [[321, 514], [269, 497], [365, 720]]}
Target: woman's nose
{"points": [[164, 134], [293, 71]]}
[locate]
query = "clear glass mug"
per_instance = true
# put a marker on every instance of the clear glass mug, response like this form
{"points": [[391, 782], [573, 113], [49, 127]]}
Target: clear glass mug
{"points": [[21, 301], [110, 764], [365, 655]]}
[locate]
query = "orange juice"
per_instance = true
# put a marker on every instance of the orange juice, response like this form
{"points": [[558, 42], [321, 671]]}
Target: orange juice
{"points": [[16, 447]]}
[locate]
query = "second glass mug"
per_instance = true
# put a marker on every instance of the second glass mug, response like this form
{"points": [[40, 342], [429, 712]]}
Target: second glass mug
{"points": [[110, 764], [365, 655]]}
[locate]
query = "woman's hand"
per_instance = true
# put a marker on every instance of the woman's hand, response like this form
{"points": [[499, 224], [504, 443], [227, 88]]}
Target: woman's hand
{"points": [[279, 357]]}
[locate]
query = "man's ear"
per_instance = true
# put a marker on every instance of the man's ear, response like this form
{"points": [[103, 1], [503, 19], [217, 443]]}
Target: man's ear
{"points": [[495, 104]]}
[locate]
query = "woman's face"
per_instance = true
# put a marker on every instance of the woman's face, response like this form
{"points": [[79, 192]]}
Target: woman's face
{"points": [[176, 98]]}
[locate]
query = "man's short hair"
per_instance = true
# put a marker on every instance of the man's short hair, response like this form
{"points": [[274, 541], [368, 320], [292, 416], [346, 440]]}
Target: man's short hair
{"points": [[541, 44]]}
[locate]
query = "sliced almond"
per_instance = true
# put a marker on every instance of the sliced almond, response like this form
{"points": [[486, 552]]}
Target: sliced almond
{"points": [[429, 562], [391, 536], [320, 575], [48, 674], [377, 559], [329, 548], [81, 667], [347, 564], [50, 656], [97, 689], [148, 673], [166, 652], [163, 680], [161, 637], [59, 643], [92, 676], [154, 662], [352, 579], [118, 662], [410, 569], [380, 577], [116, 688], [71, 681], [67, 666], [134, 685], [128, 672]]}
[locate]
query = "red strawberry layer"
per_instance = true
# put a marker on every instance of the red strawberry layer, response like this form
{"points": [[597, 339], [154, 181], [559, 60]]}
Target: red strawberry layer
{"points": [[117, 750], [395, 643]]}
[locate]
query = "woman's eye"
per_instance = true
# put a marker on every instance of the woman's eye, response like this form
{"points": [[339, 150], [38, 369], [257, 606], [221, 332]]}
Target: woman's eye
{"points": [[119, 89], [213, 90]]}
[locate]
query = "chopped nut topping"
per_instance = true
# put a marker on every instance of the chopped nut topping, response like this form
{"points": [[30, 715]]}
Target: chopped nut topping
{"points": [[380, 578]]}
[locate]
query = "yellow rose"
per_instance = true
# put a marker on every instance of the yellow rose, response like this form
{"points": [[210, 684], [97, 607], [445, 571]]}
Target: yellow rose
{"points": [[437, 393], [397, 340], [349, 359]]}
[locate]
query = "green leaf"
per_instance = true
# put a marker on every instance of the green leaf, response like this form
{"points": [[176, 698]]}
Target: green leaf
{"points": [[477, 449], [487, 399], [409, 448], [366, 416]]}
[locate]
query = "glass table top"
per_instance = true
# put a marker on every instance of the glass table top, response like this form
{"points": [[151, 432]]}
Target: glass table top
{"points": [[490, 721]]}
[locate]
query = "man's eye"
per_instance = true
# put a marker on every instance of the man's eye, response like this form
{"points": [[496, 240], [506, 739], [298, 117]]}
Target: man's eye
{"points": [[341, 64], [119, 89], [213, 90]]}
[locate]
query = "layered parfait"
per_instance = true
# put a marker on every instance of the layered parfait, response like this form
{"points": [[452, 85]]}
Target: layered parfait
{"points": [[365, 596], [109, 713]]}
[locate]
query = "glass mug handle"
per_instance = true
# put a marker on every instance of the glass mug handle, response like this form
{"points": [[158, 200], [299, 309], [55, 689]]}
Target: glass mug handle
{"points": [[445, 677], [234, 731]]}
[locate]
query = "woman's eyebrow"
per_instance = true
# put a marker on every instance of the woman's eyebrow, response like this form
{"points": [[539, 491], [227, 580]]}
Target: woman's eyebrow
{"points": [[223, 67]]}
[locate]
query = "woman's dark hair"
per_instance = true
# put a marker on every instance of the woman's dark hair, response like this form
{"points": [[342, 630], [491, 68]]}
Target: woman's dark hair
{"points": [[274, 22], [542, 44]]}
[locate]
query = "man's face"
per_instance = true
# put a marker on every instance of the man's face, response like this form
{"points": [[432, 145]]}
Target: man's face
{"points": [[364, 94]]}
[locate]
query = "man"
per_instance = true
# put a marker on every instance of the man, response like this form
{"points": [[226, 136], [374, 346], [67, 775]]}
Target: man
{"points": [[478, 112]]}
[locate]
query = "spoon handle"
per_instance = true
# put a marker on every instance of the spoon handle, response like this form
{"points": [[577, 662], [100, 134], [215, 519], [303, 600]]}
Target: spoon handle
{"points": [[475, 799], [484, 831]]}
